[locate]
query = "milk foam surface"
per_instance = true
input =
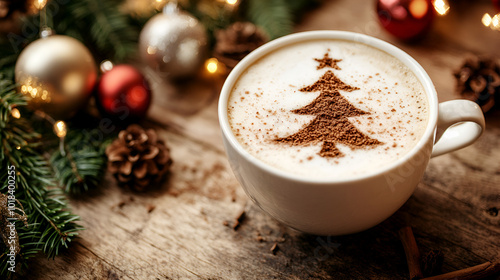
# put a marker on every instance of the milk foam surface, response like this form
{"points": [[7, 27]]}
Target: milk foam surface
{"points": [[260, 105]]}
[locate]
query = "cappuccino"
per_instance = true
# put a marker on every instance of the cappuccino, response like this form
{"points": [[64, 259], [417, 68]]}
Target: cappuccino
{"points": [[328, 109]]}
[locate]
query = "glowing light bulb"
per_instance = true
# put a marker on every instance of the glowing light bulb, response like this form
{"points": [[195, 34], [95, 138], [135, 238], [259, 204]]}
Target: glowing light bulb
{"points": [[418, 8], [106, 65], [232, 2], [486, 20], [158, 4], [40, 4], [495, 22], [60, 129], [212, 65], [442, 7], [15, 113]]}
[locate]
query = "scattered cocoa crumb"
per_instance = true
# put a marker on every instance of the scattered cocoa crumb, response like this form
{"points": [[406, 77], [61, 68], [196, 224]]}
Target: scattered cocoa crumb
{"points": [[493, 211], [239, 219], [151, 208], [274, 248]]}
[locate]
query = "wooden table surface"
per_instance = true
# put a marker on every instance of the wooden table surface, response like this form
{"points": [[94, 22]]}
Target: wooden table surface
{"points": [[184, 230]]}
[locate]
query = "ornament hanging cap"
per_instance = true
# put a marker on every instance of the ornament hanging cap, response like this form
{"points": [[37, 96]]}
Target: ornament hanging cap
{"points": [[171, 8], [106, 65], [46, 32]]}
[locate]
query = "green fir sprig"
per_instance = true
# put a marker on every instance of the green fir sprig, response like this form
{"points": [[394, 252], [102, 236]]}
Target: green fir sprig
{"points": [[104, 29], [81, 165], [51, 226]]}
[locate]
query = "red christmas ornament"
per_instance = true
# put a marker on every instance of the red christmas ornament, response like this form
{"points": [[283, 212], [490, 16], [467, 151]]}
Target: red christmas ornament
{"points": [[123, 93], [406, 19]]}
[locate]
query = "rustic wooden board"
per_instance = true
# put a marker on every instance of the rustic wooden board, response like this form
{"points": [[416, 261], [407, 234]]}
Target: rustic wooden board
{"points": [[184, 229]]}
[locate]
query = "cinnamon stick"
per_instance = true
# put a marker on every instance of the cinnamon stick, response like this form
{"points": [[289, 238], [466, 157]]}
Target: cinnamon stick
{"points": [[475, 272], [411, 251]]}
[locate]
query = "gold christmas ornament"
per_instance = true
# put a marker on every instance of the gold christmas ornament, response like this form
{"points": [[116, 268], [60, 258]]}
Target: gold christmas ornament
{"points": [[58, 73], [173, 43]]}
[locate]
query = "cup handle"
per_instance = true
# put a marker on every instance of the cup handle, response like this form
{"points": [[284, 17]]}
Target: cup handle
{"points": [[460, 123]]}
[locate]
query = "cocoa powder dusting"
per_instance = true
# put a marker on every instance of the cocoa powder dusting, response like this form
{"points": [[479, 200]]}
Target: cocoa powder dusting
{"points": [[331, 110], [330, 103], [328, 82], [327, 61], [330, 130]]}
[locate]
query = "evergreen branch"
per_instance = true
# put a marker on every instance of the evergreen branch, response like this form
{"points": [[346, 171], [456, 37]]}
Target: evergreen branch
{"points": [[274, 16], [106, 31], [50, 226], [83, 166]]}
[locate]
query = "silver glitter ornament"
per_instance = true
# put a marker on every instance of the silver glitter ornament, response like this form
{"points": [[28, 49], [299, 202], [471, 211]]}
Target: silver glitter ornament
{"points": [[173, 43]]}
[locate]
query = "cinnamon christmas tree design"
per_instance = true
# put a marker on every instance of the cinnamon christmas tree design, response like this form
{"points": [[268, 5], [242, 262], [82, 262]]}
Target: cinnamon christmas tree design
{"points": [[332, 110]]}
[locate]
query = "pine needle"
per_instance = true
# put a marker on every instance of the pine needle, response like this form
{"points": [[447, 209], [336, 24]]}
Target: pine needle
{"points": [[82, 167], [50, 225]]}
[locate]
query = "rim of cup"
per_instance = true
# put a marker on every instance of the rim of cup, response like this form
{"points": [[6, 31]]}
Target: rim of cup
{"points": [[381, 45]]}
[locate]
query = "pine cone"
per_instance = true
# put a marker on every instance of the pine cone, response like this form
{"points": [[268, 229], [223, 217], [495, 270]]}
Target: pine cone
{"points": [[137, 158], [479, 80], [236, 41]]}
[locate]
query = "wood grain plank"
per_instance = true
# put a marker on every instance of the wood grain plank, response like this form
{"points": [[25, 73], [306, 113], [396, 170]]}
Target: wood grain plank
{"points": [[183, 230]]}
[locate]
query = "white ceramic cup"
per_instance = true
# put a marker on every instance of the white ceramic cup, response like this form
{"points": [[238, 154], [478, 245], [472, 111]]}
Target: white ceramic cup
{"points": [[343, 206]]}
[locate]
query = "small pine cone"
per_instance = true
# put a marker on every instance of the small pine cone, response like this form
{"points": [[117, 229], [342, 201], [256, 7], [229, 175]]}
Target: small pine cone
{"points": [[479, 80], [236, 41], [137, 158]]}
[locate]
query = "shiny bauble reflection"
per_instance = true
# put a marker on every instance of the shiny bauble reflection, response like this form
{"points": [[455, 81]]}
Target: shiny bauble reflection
{"points": [[173, 43], [58, 73], [123, 94], [406, 19]]}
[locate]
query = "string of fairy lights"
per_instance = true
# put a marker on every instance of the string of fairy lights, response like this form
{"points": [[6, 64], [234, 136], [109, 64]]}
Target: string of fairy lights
{"points": [[33, 89]]}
